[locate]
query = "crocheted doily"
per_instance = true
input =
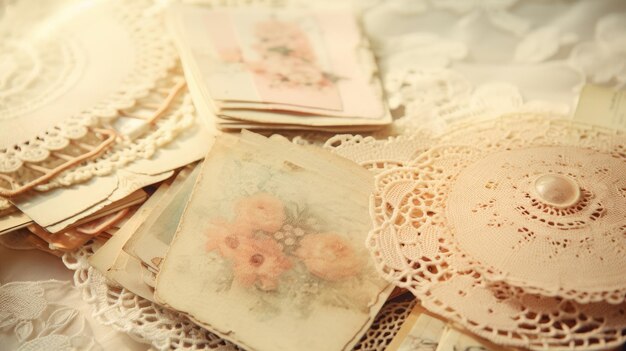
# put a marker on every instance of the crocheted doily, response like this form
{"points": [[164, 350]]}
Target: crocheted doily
{"points": [[378, 155], [549, 219], [165, 329], [489, 288], [43, 72], [561, 187]]}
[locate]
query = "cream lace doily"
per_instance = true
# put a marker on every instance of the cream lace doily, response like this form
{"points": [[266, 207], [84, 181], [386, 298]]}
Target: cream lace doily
{"points": [[165, 329], [501, 288], [81, 78], [56, 61], [378, 155]]}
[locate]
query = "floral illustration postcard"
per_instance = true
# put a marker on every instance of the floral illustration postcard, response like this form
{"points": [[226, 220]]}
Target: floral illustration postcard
{"points": [[270, 250], [306, 61]]}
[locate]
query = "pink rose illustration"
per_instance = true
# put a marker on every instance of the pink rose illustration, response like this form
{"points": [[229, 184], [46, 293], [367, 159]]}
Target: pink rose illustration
{"points": [[328, 256], [287, 57], [228, 238], [262, 211], [260, 262]]}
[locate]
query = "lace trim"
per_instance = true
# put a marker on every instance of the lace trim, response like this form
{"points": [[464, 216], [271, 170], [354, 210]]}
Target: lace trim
{"points": [[29, 174], [166, 120], [140, 318], [165, 112], [155, 56]]}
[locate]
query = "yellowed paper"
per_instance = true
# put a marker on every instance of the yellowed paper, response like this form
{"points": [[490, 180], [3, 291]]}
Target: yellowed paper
{"points": [[127, 271], [106, 256], [453, 339], [420, 331], [16, 219], [13, 221], [152, 239], [602, 106], [270, 251]]}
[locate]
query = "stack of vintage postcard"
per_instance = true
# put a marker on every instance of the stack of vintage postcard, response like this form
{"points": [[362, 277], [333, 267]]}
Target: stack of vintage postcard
{"points": [[264, 68], [18, 230], [269, 249]]}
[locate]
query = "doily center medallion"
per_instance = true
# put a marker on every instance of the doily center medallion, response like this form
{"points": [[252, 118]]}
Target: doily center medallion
{"points": [[544, 218], [557, 190]]}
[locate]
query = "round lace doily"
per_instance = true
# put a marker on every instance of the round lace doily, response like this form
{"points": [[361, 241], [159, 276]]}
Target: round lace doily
{"points": [[415, 247], [165, 329], [54, 65], [544, 218]]}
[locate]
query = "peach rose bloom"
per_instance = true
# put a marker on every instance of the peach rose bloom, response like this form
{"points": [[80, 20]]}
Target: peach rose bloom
{"points": [[262, 211], [328, 256], [260, 262], [227, 238]]}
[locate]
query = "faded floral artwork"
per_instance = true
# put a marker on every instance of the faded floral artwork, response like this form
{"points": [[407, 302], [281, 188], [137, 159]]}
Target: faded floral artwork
{"points": [[270, 245], [286, 57], [270, 251]]}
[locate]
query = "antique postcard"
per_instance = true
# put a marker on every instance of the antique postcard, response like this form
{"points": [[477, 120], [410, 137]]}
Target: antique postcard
{"points": [[278, 56], [270, 249], [280, 67]]}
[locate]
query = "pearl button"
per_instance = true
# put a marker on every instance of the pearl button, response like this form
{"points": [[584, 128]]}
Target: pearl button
{"points": [[557, 190]]}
